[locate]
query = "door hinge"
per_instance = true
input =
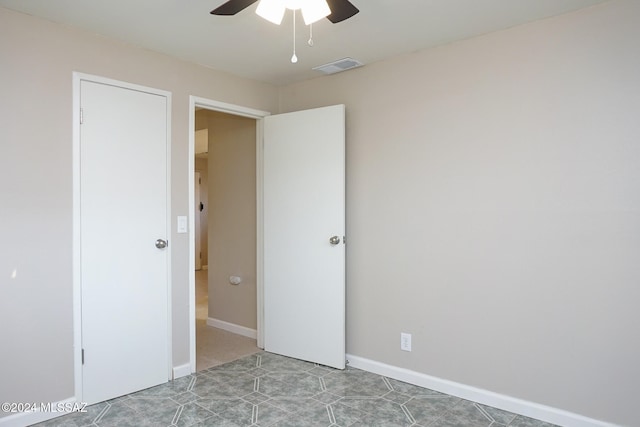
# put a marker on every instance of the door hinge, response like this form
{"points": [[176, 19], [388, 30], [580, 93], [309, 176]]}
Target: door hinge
{"points": [[199, 180], [83, 356], [81, 116]]}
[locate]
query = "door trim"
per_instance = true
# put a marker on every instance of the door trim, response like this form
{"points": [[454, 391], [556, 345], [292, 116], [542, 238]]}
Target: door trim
{"points": [[236, 110], [77, 78]]}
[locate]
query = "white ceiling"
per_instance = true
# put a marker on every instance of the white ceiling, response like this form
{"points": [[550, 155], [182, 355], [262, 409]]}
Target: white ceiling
{"points": [[248, 46]]}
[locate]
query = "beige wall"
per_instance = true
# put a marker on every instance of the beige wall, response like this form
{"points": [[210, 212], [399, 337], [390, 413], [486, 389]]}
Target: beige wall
{"points": [[232, 216], [202, 166], [493, 204], [37, 59], [493, 193]]}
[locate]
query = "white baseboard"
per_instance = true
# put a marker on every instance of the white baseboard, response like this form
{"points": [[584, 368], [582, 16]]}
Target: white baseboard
{"points": [[485, 397], [181, 371], [232, 327], [28, 418]]}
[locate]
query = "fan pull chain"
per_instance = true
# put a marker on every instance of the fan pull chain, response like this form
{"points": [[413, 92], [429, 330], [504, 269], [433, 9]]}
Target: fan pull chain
{"points": [[294, 58], [310, 42]]}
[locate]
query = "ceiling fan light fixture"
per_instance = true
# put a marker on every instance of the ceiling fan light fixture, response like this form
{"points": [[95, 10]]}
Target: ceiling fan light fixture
{"points": [[271, 10], [312, 10]]}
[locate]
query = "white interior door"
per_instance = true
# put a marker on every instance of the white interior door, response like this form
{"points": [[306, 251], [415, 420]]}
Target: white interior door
{"points": [[123, 212], [304, 207]]}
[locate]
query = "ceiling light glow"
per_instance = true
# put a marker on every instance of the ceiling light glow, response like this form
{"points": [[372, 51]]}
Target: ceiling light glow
{"points": [[312, 10]]}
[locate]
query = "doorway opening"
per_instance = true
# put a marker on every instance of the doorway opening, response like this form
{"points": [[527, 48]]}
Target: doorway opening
{"points": [[225, 209], [303, 311], [225, 304]]}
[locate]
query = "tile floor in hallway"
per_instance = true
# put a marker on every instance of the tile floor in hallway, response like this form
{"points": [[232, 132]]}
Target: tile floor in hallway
{"points": [[265, 389], [215, 346]]}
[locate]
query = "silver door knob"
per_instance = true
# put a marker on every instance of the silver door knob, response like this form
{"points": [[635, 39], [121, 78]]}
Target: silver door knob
{"points": [[161, 244], [334, 240]]}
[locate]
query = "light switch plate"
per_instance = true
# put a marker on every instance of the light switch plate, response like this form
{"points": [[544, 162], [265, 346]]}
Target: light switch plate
{"points": [[405, 341], [182, 224]]}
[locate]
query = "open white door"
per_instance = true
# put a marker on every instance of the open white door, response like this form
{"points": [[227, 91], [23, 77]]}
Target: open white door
{"points": [[123, 234], [304, 228]]}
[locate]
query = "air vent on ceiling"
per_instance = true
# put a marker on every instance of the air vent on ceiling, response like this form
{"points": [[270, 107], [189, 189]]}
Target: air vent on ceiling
{"points": [[339, 65]]}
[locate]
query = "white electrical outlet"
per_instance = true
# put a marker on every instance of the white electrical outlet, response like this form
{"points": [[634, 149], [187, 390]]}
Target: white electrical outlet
{"points": [[405, 342]]}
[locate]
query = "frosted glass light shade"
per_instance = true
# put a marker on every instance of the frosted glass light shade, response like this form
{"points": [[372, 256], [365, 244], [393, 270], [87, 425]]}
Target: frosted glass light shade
{"points": [[293, 4], [312, 10], [271, 10]]}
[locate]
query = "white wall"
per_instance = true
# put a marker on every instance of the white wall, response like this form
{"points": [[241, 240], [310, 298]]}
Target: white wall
{"points": [[493, 193], [37, 59]]}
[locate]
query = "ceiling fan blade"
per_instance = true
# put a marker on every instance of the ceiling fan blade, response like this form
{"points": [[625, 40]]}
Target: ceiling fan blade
{"points": [[232, 7], [341, 10]]}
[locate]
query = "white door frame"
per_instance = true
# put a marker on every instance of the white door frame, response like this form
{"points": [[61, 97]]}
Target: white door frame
{"points": [[235, 110], [77, 282]]}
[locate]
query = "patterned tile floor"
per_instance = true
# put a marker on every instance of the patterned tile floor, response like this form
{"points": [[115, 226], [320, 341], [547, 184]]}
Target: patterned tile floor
{"points": [[265, 389]]}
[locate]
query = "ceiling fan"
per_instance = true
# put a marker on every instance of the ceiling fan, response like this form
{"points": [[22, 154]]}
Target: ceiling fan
{"points": [[340, 9]]}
